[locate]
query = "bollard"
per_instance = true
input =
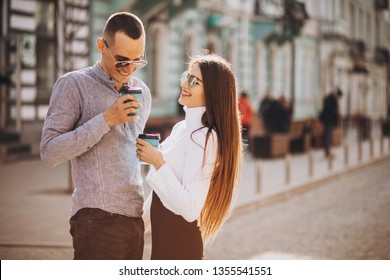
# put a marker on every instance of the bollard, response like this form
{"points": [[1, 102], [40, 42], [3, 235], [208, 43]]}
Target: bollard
{"points": [[258, 175], [381, 146], [360, 151], [288, 168], [346, 155], [371, 148], [330, 162], [310, 162], [70, 180]]}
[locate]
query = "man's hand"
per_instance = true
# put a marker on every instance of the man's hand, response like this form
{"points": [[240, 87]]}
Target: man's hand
{"points": [[118, 112]]}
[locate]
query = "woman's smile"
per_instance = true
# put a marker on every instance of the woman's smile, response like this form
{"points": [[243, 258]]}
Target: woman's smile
{"points": [[185, 94]]}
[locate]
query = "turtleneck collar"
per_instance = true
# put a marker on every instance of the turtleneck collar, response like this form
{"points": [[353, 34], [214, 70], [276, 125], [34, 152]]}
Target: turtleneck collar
{"points": [[194, 116]]}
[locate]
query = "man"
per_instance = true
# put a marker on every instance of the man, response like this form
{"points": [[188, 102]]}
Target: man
{"points": [[330, 117], [89, 124]]}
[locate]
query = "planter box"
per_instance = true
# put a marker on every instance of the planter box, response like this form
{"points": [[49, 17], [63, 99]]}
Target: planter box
{"points": [[270, 146]]}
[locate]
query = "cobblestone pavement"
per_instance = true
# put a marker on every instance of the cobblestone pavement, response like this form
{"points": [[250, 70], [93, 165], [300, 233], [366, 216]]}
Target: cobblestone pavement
{"points": [[343, 218]]}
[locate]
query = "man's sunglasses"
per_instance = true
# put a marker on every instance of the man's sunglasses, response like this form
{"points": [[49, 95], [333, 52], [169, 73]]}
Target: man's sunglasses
{"points": [[139, 63], [192, 80]]}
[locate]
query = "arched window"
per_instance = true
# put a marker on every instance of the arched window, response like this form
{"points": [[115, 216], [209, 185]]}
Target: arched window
{"points": [[260, 73], [157, 59], [45, 48], [188, 50], [154, 62], [212, 44]]}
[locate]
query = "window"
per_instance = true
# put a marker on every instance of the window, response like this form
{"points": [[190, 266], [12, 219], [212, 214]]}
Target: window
{"points": [[158, 60], [188, 43], [45, 48], [342, 9], [361, 24], [352, 20], [154, 62], [368, 31], [211, 46]]}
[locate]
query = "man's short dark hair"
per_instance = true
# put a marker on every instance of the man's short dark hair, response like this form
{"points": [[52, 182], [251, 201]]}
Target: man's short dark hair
{"points": [[125, 22]]}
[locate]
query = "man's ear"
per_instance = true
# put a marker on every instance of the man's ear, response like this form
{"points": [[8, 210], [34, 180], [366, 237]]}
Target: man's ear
{"points": [[100, 44]]}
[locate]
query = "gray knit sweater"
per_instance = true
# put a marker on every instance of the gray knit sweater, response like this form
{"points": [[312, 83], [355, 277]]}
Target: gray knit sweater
{"points": [[105, 170]]}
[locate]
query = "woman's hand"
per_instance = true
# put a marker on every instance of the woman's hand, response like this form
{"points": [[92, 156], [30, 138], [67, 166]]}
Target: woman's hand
{"points": [[149, 154]]}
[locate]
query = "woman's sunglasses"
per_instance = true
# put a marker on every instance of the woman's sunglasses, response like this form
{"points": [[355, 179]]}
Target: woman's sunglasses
{"points": [[192, 80]]}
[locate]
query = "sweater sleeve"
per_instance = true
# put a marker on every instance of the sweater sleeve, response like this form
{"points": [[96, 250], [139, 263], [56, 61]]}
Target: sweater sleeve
{"points": [[61, 140], [187, 197]]}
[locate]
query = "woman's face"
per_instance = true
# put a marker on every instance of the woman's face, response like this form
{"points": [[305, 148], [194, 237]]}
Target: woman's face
{"points": [[192, 90]]}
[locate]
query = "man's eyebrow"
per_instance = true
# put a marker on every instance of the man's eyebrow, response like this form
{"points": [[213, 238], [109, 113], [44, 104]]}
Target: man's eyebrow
{"points": [[120, 57]]}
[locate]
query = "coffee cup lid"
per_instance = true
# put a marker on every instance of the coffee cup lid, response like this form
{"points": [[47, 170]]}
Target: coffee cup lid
{"points": [[131, 89], [134, 90], [150, 136]]}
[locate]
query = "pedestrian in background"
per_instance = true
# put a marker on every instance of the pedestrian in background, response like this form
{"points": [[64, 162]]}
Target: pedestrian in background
{"points": [[89, 124], [246, 111], [263, 112], [275, 114], [285, 114], [193, 177], [330, 118]]}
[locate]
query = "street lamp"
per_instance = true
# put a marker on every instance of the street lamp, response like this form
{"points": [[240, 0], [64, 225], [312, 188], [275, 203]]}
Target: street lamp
{"points": [[293, 20]]}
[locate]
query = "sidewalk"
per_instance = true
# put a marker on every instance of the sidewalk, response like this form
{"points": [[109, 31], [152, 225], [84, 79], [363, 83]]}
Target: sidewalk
{"points": [[272, 177], [35, 201]]}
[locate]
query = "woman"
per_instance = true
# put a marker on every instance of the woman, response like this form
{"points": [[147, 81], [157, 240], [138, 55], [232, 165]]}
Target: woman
{"points": [[194, 174]]}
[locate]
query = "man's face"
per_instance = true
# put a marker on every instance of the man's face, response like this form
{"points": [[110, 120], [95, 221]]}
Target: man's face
{"points": [[122, 48]]}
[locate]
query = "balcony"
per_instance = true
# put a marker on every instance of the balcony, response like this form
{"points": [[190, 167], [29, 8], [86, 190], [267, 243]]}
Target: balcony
{"points": [[357, 49], [382, 55], [381, 4], [335, 29], [359, 67], [150, 8]]}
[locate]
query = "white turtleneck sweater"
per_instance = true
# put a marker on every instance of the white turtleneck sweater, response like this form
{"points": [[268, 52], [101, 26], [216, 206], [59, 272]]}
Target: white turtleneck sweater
{"points": [[182, 183]]}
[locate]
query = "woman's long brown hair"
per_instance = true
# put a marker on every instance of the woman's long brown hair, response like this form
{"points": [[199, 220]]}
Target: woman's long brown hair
{"points": [[221, 115]]}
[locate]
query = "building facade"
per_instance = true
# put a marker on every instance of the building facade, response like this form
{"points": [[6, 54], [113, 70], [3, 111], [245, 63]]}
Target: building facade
{"points": [[354, 42], [40, 41], [297, 49]]}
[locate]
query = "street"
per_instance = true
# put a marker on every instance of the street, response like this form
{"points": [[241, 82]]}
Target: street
{"points": [[346, 217]]}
